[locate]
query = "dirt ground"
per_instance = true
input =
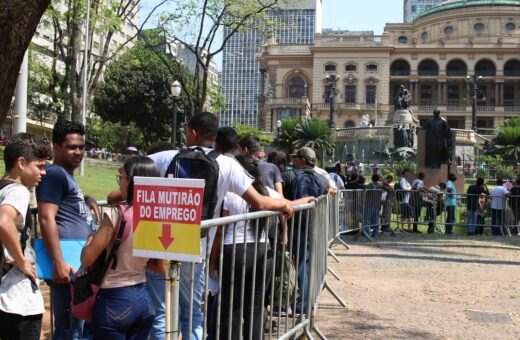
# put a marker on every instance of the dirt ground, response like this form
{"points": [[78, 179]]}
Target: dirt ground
{"points": [[425, 287]]}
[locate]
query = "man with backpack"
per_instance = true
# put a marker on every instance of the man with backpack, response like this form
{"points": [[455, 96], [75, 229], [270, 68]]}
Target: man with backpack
{"points": [[21, 302], [221, 173], [303, 181]]}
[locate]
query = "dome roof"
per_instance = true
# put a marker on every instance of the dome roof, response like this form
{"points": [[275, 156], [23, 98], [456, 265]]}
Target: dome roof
{"points": [[457, 4]]}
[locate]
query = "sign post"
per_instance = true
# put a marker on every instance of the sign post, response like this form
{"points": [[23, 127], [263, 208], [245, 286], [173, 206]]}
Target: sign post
{"points": [[167, 217]]}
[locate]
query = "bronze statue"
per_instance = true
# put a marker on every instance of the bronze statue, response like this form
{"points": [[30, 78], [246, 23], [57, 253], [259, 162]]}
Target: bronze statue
{"points": [[438, 142], [403, 99]]}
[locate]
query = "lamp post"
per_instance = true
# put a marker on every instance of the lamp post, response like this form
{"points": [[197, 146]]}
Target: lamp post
{"points": [[176, 91], [475, 92], [278, 126], [331, 81]]}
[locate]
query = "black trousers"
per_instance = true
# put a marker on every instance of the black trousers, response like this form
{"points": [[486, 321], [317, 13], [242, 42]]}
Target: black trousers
{"points": [[17, 327], [252, 298]]}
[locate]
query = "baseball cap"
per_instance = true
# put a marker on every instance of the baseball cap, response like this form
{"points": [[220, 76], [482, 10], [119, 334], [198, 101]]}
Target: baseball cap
{"points": [[306, 153]]}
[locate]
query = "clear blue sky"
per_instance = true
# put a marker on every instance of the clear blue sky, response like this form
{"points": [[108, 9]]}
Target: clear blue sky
{"points": [[361, 15]]}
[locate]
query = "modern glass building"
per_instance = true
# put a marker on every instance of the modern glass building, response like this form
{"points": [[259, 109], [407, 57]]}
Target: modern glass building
{"points": [[412, 8], [241, 75]]}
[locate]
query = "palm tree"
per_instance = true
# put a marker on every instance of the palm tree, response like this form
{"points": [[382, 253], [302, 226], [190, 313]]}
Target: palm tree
{"points": [[297, 133], [507, 142]]}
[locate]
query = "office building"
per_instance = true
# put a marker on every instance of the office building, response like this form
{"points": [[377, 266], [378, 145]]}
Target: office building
{"points": [[412, 8]]}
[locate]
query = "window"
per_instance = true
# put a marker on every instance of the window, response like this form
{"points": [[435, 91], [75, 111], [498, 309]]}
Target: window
{"points": [[479, 27], [402, 39], [426, 95], [370, 94], [330, 68], [351, 68], [424, 36], [296, 87], [326, 94], [453, 95], [414, 8], [509, 95], [448, 30], [371, 68], [510, 26], [350, 94]]}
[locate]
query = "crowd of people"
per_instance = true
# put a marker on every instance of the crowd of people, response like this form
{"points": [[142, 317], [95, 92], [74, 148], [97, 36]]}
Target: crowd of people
{"points": [[130, 303]]}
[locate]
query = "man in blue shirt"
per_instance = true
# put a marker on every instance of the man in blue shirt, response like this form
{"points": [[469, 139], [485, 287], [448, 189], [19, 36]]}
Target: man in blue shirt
{"points": [[451, 203], [64, 213]]}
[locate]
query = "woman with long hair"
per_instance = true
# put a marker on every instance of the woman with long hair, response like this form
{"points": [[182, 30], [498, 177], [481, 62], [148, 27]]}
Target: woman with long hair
{"points": [[123, 309]]}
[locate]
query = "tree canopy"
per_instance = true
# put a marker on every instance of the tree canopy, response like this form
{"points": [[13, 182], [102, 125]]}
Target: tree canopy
{"points": [[297, 133], [507, 140]]}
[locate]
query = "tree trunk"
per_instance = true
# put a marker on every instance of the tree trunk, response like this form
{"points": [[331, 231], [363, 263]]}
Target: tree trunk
{"points": [[18, 22]]}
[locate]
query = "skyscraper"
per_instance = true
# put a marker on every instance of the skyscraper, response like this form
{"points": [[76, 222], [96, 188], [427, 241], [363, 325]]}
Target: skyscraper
{"points": [[295, 25], [412, 8]]}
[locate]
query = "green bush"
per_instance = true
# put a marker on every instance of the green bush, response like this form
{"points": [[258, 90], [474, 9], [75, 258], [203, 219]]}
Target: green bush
{"points": [[505, 172]]}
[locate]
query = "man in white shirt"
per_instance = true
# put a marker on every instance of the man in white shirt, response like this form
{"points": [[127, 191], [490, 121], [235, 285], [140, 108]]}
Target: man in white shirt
{"points": [[201, 131], [498, 204]]}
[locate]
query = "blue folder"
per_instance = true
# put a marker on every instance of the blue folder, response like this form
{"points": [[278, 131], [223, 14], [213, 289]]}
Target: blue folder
{"points": [[70, 250]]}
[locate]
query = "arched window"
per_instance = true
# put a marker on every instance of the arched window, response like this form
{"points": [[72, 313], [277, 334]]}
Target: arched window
{"points": [[456, 67], [512, 68], [296, 87], [349, 124], [400, 68], [428, 67], [485, 68]]}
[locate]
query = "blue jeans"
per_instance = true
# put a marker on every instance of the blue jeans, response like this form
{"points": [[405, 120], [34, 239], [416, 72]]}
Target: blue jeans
{"points": [[301, 254], [66, 327], [123, 313], [371, 220], [184, 300], [155, 287], [472, 218]]}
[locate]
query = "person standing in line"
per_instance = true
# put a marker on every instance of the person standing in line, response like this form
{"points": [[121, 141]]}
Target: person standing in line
{"points": [[451, 203], [403, 195], [514, 204], [498, 205], [472, 204], [332, 171], [123, 307], [64, 213], [21, 301], [417, 200]]}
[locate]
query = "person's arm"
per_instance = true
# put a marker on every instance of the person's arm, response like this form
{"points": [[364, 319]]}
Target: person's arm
{"points": [[47, 217], [303, 200], [97, 243], [215, 249], [114, 197], [278, 187], [93, 206], [260, 202], [11, 241]]}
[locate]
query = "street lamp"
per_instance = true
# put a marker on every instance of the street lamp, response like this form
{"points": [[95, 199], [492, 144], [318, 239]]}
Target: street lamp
{"points": [[176, 91], [331, 81], [475, 93], [278, 126]]}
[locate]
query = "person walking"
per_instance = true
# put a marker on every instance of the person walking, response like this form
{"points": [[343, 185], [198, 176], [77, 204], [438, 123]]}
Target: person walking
{"points": [[21, 301], [64, 213]]}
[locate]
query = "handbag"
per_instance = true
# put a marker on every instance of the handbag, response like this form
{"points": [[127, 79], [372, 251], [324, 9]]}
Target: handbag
{"points": [[87, 281]]}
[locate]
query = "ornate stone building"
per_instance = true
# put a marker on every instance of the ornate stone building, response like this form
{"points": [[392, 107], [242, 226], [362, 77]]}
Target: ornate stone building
{"points": [[433, 57]]}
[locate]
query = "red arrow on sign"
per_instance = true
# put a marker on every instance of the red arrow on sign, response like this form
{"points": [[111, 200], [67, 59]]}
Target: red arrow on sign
{"points": [[166, 237]]}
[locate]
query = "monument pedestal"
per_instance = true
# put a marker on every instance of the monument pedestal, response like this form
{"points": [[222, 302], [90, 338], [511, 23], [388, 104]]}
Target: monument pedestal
{"points": [[435, 176]]}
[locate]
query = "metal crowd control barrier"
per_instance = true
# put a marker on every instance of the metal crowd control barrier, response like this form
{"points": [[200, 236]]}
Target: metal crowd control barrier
{"points": [[335, 227]]}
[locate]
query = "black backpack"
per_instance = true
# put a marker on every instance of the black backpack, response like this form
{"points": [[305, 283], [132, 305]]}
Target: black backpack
{"points": [[308, 183], [195, 163]]}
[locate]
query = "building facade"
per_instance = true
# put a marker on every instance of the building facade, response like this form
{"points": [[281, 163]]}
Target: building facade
{"points": [[241, 75], [413, 8], [432, 57]]}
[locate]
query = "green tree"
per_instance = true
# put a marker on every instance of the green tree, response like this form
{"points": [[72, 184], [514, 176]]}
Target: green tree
{"points": [[246, 130], [507, 140], [136, 90], [314, 133], [114, 136], [204, 27]]}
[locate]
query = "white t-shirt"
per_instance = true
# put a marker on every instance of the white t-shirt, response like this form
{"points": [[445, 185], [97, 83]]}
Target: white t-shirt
{"points": [[332, 183], [498, 197], [16, 293], [232, 177], [405, 185], [236, 205]]}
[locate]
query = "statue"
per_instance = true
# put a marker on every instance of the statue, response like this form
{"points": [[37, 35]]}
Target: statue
{"points": [[438, 142], [403, 99], [365, 121]]}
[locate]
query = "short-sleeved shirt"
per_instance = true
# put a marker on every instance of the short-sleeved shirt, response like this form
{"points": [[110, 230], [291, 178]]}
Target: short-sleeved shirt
{"points": [[406, 187], [269, 174], [498, 197], [232, 177], [16, 293], [130, 270], [451, 195], [73, 218], [340, 185]]}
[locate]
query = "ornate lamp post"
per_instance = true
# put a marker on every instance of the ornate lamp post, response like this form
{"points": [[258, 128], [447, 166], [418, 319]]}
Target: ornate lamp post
{"points": [[176, 91], [331, 81], [278, 126], [475, 94]]}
